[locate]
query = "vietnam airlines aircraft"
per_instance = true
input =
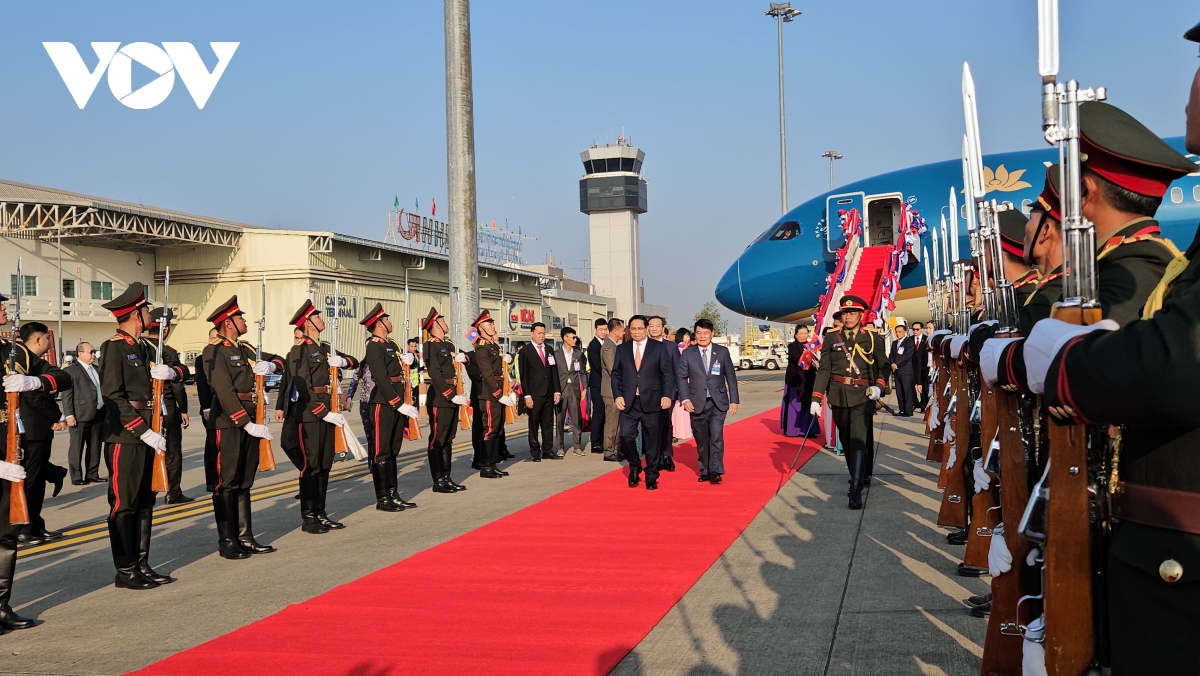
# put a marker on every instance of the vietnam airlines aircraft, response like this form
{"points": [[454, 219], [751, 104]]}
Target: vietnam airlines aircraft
{"points": [[782, 274]]}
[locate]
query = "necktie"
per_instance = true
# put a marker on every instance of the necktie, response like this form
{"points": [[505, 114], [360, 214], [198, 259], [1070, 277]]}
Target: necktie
{"points": [[541, 354], [706, 360], [96, 382], [637, 356]]}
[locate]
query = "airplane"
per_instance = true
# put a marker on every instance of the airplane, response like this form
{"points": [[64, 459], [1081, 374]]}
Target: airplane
{"points": [[782, 273]]}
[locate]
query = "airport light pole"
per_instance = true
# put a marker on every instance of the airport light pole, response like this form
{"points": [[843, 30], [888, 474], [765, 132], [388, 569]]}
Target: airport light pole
{"points": [[832, 155], [460, 168], [783, 12]]}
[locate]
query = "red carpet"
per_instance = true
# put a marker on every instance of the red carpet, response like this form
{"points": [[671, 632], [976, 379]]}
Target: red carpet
{"points": [[566, 586]]}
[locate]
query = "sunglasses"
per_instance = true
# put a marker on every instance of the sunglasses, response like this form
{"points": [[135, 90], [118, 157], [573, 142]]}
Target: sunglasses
{"points": [[88, 352]]}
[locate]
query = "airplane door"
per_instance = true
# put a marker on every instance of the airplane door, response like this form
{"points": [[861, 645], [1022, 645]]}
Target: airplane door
{"points": [[834, 239]]}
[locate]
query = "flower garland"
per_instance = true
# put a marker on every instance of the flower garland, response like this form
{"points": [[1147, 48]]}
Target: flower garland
{"points": [[911, 227], [851, 223]]}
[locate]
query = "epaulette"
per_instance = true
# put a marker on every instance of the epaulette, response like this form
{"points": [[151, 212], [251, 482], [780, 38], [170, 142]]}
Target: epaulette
{"points": [[377, 339], [1148, 234], [226, 343]]}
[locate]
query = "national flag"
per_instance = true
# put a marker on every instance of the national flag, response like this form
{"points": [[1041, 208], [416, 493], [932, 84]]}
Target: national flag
{"points": [[493, 224], [472, 335], [397, 203], [433, 211]]}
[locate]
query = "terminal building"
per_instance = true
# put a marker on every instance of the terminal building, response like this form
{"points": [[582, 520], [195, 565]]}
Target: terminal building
{"points": [[105, 244]]}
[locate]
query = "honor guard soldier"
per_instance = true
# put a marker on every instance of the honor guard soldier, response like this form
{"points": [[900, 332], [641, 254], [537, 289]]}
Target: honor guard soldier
{"points": [[310, 394], [492, 398], [441, 400], [126, 385], [1012, 246], [387, 407], [1043, 249], [30, 374], [851, 379], [175, 400], [230, 369]]}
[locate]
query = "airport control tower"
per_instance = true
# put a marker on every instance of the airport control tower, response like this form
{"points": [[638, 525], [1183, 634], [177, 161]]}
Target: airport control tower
{"points": [[612, 193]]}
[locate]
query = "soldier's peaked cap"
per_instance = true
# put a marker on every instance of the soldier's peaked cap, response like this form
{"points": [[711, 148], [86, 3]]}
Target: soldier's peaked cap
{"points": [[1125, 152], [156, 316], [306, 310], [374, 315], [227, 309], [432, 317], [133, 298], [1048, 200], [852, 304], [1012, 232], [484, 316]]}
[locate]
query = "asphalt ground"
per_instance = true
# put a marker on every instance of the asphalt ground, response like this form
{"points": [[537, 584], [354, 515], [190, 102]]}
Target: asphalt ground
{"points": [[90, 627]]}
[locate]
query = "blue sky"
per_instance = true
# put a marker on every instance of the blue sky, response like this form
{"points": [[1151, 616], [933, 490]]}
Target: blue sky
{"points": [[329, 110]]}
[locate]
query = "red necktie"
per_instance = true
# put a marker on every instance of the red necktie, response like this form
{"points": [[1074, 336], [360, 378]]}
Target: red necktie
{"points": [[541, 354]]}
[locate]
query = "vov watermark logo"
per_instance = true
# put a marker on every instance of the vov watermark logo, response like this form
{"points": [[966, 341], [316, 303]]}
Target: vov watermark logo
{"points": [[171, 58]]}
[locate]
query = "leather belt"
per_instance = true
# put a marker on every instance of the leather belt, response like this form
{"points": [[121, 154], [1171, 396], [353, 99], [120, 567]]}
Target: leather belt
{"points": [[1159, 507], [139, 405], [396, 379], [323, 389], [851, 381], [245, 396]]}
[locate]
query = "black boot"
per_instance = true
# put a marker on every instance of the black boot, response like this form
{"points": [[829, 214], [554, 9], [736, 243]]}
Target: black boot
{"points": [[224, 511], [377, 471], [493, 458], [245, 529], [145, 521], [308, 508], [321, 481], [387, 504], [489, 472], [441, 486], [9, 619], [856, 496], [389, 469], [124, 548]]}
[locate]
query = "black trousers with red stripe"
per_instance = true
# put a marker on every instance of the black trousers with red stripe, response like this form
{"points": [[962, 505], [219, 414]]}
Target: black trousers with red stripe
{"points": [[130, 468], [237, 459], [314, 448], [388, 432], [443, 425], [492, 418]]}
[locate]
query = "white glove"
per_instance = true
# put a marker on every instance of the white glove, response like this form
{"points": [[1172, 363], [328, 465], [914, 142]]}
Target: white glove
{"points": [[19, 383], [999, 558], [874, 393], [507, 400], [11, 472], [983, 480], [337, 361], [953, 449], [1045, 341], [1032, 557], [260, 431], [508, 359], [409, 410], [461, 357], [162, 372], [989, 357], [1033, 654], [407, 358], [461, 399], [814, 409], [154, 440], [335, 419], [264, 368], [956, 346]]}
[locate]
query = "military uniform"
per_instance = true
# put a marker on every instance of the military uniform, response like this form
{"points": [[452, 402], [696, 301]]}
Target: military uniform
{"points": [[851, 362], [390, 393], [438, 355], [1024, 286], [128, 392], [230, 375], [309, 399], [490, 362], [1040, 303], [51, 381], [176, 404]]}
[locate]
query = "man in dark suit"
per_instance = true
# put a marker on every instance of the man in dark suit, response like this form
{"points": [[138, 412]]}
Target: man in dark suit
{"points": [[84, 411], [656, 328], [920, 366], [644, 387], [707, 388], [903, 369], [41, 418], [595, 378], [540, 387]]}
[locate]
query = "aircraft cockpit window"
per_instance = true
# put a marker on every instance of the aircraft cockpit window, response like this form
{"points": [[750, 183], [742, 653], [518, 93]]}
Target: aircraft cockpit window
{"points": [[787, 230]]}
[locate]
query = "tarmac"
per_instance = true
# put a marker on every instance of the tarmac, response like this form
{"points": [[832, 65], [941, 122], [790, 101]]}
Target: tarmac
{"points": [[809, 588]]}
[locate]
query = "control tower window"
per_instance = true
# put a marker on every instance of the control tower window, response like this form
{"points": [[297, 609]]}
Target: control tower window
{"points": [[626, 164], [788, 230]]}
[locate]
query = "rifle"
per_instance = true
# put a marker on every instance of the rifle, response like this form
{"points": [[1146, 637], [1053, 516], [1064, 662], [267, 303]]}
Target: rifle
{"points": [[1068, 571], [158, 479], [18, 508], [335, 378], [414, 430], [953, 510], [464, 415], [510, 412], [266, 458]]}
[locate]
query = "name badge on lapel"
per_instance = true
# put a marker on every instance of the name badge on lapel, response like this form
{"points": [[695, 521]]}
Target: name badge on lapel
{"points": [[716, 368], [899, 350], [550, 359]]}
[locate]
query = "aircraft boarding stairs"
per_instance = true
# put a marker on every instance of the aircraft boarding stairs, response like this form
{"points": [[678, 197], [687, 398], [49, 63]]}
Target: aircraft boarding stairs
{"points": [[864, 278]]}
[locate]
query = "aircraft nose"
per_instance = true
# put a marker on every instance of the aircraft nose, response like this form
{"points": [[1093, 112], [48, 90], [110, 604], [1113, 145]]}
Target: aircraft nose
{"points": [[729, 289]]}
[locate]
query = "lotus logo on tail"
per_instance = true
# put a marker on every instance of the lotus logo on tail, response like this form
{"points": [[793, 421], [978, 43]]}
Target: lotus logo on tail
{"points": [[166, 61], [1002, 180]]}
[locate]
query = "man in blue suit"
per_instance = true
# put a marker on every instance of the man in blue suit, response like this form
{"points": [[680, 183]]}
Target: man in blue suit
{"points": [[708, 391], [643, 385]]}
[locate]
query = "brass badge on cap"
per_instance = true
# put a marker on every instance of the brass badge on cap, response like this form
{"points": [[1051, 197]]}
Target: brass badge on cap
{"points": [[1170, 570]]}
